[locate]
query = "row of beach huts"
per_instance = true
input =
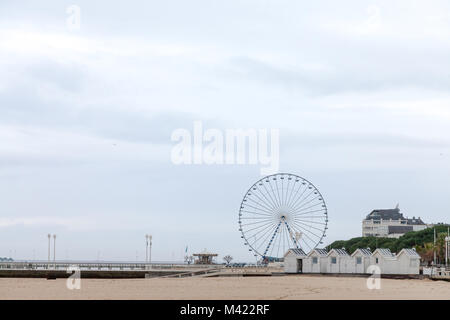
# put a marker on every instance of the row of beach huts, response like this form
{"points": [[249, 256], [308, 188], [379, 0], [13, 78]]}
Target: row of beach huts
{"points": [[338, 261]]}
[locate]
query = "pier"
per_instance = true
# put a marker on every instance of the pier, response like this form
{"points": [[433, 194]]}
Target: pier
{"points": [[116, 270]]}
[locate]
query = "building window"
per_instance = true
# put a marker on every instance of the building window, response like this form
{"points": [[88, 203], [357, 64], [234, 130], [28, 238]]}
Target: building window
{"points": [[376, 260], [314, 260], [358, 260], [333, 260]]}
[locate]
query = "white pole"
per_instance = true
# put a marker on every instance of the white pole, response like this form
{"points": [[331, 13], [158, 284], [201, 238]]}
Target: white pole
{"points": [[448, 246], [54, 251], [150, 251], [446, 251], [146, 248], [48, 261], [434, 248]]}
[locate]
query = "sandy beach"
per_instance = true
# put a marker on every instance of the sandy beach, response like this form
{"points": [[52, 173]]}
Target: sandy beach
{"points": [[291, 287]]}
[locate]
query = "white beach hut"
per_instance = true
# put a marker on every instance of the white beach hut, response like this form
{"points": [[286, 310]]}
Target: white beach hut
{"points": [[293, 260], [385, 260], [339, 261], [408, 262], [361, 260], [316, 261]]}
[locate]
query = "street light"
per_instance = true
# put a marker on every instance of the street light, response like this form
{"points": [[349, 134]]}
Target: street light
{"points": [[150, 249], [49, 238], [54, 251], [146, 248], [447, 245]]}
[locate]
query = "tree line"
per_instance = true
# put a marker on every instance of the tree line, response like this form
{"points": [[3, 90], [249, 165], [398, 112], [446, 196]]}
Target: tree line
{"points": [[422, 241]]}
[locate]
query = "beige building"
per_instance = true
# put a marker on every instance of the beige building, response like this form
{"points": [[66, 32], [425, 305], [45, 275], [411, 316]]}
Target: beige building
{"points": [[390, 223], [205, 257]]}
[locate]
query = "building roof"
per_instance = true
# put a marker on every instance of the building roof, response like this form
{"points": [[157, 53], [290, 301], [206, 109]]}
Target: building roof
{"points": [[296, 251], [205, 254], [393, 214], [365, 252], [385, 214], [320, 252], [409, 252], [385, 252], [339, 252], [415, 221]]}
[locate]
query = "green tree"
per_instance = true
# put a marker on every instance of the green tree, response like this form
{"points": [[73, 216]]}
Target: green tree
{"points": [[426, 252], [422, 240]]}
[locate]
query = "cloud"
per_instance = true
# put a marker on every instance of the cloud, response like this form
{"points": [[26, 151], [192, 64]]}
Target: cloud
{"points": [[340, 77], [358, 140], [43, 222], [86, 116]]}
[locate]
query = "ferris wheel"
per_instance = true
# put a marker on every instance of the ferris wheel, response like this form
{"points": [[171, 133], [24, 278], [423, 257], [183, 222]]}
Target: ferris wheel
{"points": [[280, 212]]}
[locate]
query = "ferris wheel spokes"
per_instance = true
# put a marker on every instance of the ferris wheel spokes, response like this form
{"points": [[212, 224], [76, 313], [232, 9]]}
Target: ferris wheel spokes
{"points": [[282, 211]]}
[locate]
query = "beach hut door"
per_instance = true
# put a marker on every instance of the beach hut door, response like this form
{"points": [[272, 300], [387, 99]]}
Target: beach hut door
{"points": [[299, 265]]}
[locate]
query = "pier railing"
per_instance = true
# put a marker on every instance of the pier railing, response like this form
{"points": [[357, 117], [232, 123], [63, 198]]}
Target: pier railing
{"points": [[437, 273], [101, 266]]}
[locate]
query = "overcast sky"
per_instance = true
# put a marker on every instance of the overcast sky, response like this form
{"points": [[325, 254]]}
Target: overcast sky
{"points": [[358, 89]]}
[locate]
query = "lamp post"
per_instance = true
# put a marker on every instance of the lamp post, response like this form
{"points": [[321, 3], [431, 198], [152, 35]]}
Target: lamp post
{"points": [[54, 251], [434, 248], [49, 239], [146, 248], [447, 241], [150, 249], [447, 247]]}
